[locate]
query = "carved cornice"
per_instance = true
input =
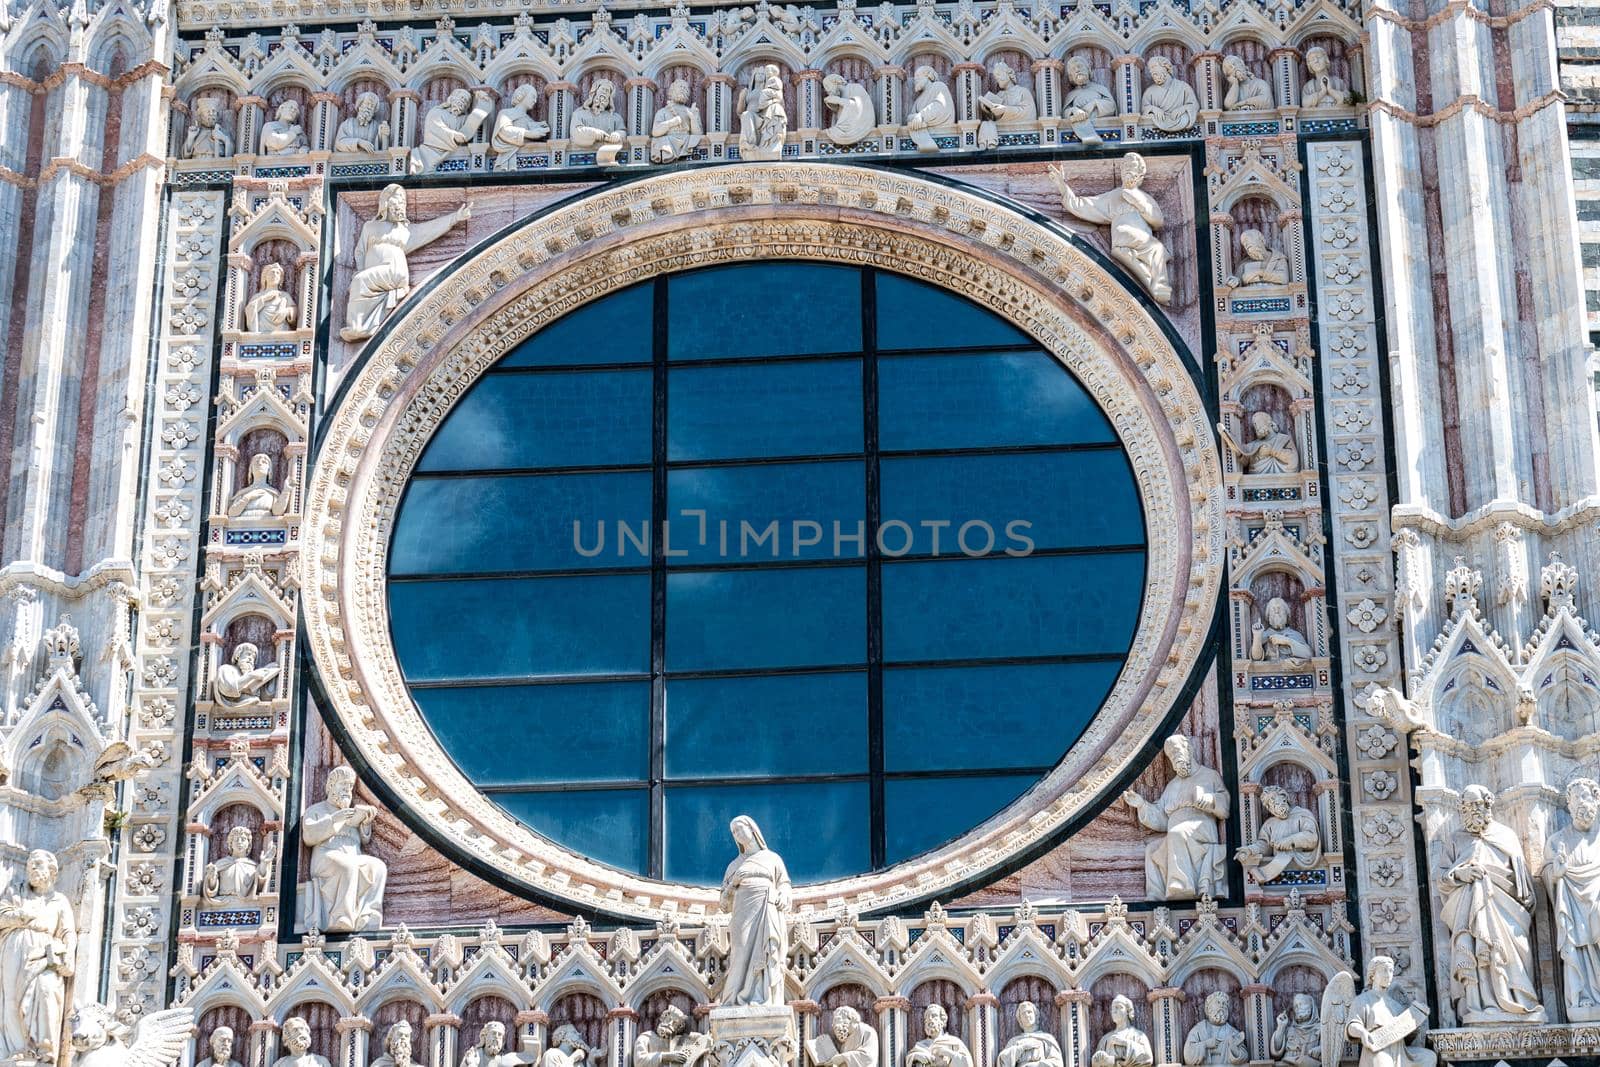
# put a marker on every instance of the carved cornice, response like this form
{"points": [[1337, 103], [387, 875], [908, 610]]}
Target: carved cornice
{"points": [[1472, 102], [71, 166], [1038, 278], [1516, 1042], [1455, 9], [1585, 512]]}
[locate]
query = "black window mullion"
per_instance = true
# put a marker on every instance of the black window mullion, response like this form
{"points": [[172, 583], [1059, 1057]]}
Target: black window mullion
{"points": [[655, 848], [878, 845]]}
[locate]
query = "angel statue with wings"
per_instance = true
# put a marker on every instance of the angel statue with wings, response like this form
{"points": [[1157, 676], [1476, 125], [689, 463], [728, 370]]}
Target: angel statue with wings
{"points": [[1377, 1020], [159, 1039]]}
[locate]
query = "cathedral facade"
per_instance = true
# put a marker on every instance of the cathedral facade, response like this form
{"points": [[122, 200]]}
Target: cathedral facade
{"points": [[959, 533]]}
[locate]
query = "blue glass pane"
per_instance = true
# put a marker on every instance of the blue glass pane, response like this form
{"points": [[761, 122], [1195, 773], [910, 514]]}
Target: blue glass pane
{"points": [[982, 400], [520, 522], [764, 409], [1002, 607], [820, 829], [608, 825], [613, 329], [579, 419], [506, 734], [916, 315], [512, 627], [785, 725], [1066, 500], [983, 718], [921, 813], [772, 618], [827, 500], [745, 310]]}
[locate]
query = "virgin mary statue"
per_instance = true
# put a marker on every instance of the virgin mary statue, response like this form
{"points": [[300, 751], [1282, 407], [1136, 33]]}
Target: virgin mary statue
{"points": [[756, 894]]}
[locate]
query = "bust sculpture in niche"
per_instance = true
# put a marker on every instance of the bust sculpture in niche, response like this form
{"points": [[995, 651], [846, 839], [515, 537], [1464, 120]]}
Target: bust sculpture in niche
{"points": [[1086, 100], [933, 107], [515, 127], [490, 1050], [1572, 873], [1187, 859], [1288, 837], [937, 1047], [1270, 451], [396, 1047], [240, 682], [597, 125], [362, 131], [1031, 1047], [1133, 217], [1297, 1034], [1169, 102], [258, 499], [568, 1049], [1322, 89], [284, 136], [206, 138], [848, 1042], [671, 1043], [1010, 102], [1262, 264], [1213, 1041], [1246, 92], [296, 1036], [1273, 640], [449, 126], [236, 875], [270, 310], [220, 1046], [854, 117], [1126, 1045]]}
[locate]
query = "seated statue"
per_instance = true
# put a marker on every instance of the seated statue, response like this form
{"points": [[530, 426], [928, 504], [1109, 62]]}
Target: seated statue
{"points": [[1246, 92], [1213, 1041], [932, 108], [853, 114], [206, 138], [1086, 101], [849, 1042], [258, 500], [346, 886], [448, 127], [296, 1037], [676, 129], [236, 875], [1297, 1035], [1270, 452], [362, 132], [284, 136], [1169, 103], [1125, 1045], [1288, 837], [271, 310], [239, 682], [763, 116], [1187, 859], [1322, 89], [1010, 102], [1263, 264], [1032, 1047], [597, 125], [515, 126], [1132, 215], [671, 1043], [938, 1048], [1273, 640]]}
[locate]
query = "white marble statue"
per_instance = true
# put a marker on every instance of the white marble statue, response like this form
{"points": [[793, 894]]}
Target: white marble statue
{"points": [[363, 131], [1188, 859], [1126, 1045], [284, 135], [568, 1049], [1487, 898], [848, 1042], [763, 119], [938, 1048], [1031, 1047], [671, 1043], [236, 875], [1213, 1041], [596, 124], [158, 1039], [240, 682], [1010, 103], [490, 1050], [1297, 1034], [1270, 451], [1377, 1020], [396, 1047], [38, 946], [1169, 103], [220, 1048], [1288, 837], [270, 310], [1572, 874], [383, 277], [258, 499], [757, 896], [931, 108], [515, 127], [1273, 640], [676, 129], [854, 116], [1262, 264], [206, 138], [1322, 89], [448, 127], [1246, 92], [346, 885], [1086, 100], [296, 1039], [1133, 217]]}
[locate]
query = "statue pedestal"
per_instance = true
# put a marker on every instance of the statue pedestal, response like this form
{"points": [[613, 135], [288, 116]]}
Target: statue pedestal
{"points": [[753, 1036]]}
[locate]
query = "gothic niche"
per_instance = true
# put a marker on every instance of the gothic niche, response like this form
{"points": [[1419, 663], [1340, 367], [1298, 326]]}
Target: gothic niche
{"points": [[247, 668], [260, 477], [1278, 640], [1259, 259]]}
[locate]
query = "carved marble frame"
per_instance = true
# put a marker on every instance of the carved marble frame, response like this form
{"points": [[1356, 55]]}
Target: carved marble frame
{"points": [[1044, 280]]}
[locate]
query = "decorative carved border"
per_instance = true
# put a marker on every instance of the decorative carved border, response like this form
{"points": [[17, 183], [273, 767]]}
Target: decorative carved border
{"points": [[1034, 276]]}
